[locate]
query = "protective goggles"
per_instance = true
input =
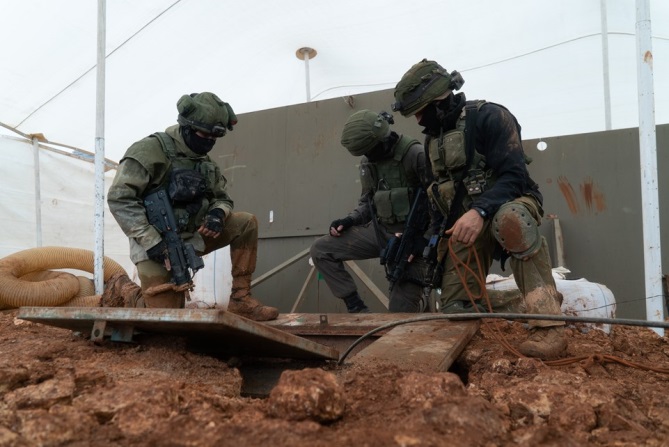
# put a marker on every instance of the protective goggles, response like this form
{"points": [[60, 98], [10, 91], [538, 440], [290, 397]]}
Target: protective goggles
{"points": [[215, 130]]}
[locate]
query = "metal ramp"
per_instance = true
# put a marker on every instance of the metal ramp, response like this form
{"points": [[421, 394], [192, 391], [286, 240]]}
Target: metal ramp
{"points": [[424, 346], [219, 330], [427, 345]]}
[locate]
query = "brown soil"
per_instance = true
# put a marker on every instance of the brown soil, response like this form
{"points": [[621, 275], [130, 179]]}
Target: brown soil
{"points": [[59, 389]]}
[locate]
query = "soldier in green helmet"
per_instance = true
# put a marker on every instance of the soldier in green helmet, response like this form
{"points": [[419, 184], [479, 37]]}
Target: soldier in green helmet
{"points": [[392, 168], [488, 200], [176, 161]]}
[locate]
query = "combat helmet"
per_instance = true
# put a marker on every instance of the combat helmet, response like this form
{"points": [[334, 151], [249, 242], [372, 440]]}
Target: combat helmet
{"points": [[422, 84], [206, 112], [364, 130]]}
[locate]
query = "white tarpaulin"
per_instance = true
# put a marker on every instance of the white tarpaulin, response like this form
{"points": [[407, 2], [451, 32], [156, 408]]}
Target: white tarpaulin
{"points": [[67, 215], [543, 59]]}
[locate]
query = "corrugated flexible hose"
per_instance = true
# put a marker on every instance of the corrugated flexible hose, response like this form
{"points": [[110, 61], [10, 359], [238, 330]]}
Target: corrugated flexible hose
{"points": [[25, 279]]}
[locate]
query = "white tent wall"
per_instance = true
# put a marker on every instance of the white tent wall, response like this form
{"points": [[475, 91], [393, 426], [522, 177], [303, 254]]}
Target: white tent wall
{"points": [[67, 214], [541, 58], [67, 192]]}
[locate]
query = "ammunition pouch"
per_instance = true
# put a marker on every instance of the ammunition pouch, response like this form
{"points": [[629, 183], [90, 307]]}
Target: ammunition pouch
{"points": [[392, 206], [186, 186]]}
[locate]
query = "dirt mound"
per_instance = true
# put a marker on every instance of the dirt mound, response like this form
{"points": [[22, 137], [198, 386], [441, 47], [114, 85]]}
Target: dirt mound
{"points": [[57, 388]]}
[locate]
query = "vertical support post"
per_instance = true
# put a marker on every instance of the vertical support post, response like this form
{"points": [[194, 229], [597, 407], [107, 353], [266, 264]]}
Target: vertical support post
{"points": [[605, 65], [98, 264], [38, 194], [648, 156], [306, 54], [306, 73]]}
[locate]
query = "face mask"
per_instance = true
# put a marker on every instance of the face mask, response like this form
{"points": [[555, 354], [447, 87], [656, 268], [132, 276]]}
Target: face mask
{"points": [[196, 143], [429, 120]]}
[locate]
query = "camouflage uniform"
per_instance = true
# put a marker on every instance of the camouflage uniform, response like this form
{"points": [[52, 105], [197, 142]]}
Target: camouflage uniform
{"points": [[404, 160], [500, 206], [145, 167]]}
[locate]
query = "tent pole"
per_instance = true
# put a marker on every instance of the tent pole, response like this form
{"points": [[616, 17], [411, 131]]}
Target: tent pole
{"points": [[100, 152], [306, 74], [648, 157], [605, 65], [38, 194], [306, 54]]}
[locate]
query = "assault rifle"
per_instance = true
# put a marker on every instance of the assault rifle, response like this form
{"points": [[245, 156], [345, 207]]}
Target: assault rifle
{"points": [[435, 269], [181, 256], [395, 256]]}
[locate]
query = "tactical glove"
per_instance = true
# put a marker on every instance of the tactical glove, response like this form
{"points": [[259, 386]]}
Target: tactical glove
{"points": [[215, 220], [158, 252], [345, 223]]}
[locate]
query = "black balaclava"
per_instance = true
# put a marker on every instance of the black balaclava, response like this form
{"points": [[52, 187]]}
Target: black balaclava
{"points": [[442, 115], [196, 143], [384, 149]]}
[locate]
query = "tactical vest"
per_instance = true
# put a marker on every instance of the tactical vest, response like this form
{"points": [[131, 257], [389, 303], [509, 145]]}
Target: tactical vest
{"points": [[448, 157], [391, 185], [189, 184]]}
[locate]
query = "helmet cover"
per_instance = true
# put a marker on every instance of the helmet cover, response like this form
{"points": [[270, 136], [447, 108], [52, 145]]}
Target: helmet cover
{"points": [[422, 84], [363, 131], [206, 112]]}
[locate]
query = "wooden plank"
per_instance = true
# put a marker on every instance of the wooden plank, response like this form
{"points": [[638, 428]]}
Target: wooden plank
{"points": [[422, 346]]}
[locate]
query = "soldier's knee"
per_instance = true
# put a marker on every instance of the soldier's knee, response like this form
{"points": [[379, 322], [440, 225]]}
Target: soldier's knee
{"points": [[516, 230]]}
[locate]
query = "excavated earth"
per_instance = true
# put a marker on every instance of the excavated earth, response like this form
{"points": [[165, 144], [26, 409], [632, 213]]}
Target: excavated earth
{"points": [[57, 388]]}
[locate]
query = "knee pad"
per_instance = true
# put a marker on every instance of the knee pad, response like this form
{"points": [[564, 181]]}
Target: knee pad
{"points": [[516, 230]]}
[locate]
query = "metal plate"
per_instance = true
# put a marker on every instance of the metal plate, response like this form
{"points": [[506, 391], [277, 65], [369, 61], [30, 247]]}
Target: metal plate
{"points": [[219, 330]]}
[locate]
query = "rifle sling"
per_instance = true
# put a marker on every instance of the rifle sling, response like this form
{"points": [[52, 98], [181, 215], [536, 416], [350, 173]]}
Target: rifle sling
{"points": [[470, 130]]}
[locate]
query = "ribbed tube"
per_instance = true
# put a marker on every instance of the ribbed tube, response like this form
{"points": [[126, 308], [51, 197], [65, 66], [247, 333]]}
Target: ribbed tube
{"points": [[56, 289]]}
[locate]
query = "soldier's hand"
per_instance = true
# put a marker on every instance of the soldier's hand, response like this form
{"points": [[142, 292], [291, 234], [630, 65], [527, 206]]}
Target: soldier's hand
{"points": [[158, 253], [337, 227], [467, 228], [213, 223]]}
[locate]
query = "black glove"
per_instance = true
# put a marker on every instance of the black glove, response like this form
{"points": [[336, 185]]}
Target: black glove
{"points": [[158, 252], [346, 223], [215, 220]]}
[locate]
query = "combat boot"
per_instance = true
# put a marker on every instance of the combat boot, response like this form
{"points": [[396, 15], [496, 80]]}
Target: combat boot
{"points": [[243, 304], [248, 307], [544, 343], [355, 304], [121, 291]]}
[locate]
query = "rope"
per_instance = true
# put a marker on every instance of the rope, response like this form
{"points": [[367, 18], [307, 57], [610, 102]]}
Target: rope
{"points": [[463, 269]]}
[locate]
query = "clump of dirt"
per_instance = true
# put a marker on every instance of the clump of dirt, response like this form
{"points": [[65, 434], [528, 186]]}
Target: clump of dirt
{"points": [[58, 388]]}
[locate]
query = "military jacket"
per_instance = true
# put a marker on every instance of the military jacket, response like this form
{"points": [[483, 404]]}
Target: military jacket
{"points": [[498, 171], [146, 167]]}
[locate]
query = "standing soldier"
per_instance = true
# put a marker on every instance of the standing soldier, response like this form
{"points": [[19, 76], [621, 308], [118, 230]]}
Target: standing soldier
{"points": [[176, 161], [392, 170], [483, 189]]}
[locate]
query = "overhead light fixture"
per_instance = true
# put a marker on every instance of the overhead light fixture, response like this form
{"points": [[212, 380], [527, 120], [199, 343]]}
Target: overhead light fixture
{"points": [[306, 54]]}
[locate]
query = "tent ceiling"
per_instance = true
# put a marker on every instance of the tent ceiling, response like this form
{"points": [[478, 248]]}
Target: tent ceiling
{"points": [[540, 58]]}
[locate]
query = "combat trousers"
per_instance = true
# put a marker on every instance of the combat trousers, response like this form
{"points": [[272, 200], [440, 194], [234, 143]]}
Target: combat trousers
{"points": [[359, 242], [533, 276], [240, 233]]}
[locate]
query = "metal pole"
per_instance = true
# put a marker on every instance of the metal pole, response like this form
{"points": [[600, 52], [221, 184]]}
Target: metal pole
{"points": [[100, 152], [38, 195], [306, 72], [648, 157], [605, 65]]}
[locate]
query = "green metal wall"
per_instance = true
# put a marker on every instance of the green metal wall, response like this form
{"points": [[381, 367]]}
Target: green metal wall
{"points": [[287, 167]]}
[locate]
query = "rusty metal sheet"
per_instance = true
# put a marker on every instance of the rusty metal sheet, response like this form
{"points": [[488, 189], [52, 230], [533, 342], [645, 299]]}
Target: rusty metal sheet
{"points": [[423, 346], [338, 324], [224, 331]]}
